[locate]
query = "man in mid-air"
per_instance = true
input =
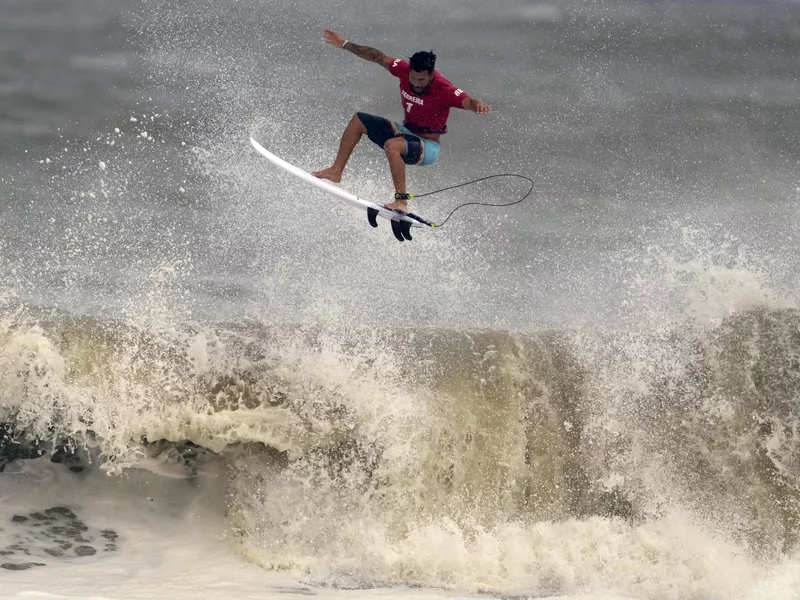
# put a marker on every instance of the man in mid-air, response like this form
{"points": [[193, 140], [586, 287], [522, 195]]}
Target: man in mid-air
{"points": [[427, 98]]}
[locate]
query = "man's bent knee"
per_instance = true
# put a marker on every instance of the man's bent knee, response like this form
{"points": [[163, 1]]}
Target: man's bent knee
{"points": [[395, 147]]}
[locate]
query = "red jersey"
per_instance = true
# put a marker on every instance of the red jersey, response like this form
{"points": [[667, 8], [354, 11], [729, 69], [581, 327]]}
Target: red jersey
{"points": [[428, 112]]}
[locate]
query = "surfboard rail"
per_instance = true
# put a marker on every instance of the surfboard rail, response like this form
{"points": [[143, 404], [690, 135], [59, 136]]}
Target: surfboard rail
{"points": [[401, 222]]}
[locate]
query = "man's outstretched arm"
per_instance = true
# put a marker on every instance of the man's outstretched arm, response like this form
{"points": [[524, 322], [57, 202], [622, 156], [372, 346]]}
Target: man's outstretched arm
{"points": [[475, 106], [365, 52]]}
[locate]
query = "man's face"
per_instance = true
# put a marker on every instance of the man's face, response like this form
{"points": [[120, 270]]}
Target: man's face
{"points": [[419, 80]]}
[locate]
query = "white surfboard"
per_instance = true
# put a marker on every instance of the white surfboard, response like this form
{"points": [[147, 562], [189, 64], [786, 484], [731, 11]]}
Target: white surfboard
{"points": [[400, 222]]}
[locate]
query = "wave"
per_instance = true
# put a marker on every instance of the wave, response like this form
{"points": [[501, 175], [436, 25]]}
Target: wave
{"points": [[347, 451]]}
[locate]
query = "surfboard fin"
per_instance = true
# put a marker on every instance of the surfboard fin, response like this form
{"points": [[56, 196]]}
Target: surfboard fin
{"points": [[397, 230], [405, 229], [400, 229], [372, 215]]}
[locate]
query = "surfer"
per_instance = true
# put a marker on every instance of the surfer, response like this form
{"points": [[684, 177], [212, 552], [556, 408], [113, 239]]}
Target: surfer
{"points": [[427, 98]]}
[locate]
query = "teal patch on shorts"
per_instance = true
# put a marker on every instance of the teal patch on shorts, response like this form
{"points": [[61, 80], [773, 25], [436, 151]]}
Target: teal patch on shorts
{"points": [[429, 149]]}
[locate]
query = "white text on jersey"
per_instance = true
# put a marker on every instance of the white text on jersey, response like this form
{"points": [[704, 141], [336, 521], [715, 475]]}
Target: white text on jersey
{"points": [[411, 98]]}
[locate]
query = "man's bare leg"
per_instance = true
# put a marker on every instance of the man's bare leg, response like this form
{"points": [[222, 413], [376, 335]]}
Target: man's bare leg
{"points": [[395, 148], [352, 133]]}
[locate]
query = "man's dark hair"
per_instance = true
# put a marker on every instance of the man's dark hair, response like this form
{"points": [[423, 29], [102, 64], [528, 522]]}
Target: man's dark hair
{"points": [[423, 61]]}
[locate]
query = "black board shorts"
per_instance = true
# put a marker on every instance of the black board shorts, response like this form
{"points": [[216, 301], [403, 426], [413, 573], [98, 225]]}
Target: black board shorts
{"points": [[419, 151]]}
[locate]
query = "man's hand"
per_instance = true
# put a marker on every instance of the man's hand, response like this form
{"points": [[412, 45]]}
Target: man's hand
{"points": [[476, 106], [332, 38]]}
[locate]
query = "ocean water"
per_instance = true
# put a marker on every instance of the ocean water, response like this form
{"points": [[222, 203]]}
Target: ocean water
{"points": [[217, 382]]}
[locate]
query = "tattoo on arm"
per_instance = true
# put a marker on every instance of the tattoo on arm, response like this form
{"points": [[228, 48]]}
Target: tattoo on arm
{"points": [[367, 53]]}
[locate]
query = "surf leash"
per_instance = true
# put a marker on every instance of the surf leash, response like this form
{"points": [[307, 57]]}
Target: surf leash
{"points": [[474, 181]]}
